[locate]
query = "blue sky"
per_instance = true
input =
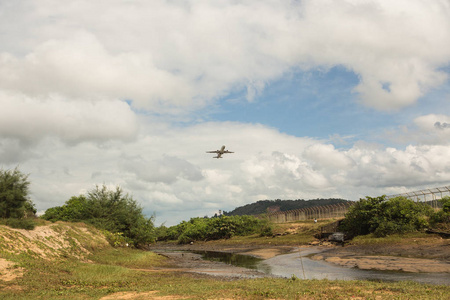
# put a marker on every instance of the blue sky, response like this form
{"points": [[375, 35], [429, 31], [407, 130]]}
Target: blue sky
{"points": [[317, 99], [321, 104]]}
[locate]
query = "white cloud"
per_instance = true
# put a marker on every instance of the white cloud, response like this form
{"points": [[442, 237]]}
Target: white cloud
{"points": [[68, 72], [174, 177], [431, 129], [169, 57], [32, 119]]}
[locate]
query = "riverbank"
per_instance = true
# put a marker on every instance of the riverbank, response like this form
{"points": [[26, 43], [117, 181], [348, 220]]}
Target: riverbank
{"points": [[426, 253], [420, 253]]}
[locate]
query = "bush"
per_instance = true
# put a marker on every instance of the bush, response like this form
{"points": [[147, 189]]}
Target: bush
{"points": [[14, 202], [27, 224], [384, 217], [223, 227], [109, 210], [359, 220], [441, 219]]}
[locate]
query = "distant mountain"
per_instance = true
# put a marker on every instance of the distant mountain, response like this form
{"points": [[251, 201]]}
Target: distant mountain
{"points": [[264, 206]]}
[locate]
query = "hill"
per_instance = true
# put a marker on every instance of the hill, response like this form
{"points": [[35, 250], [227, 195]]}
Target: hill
{"points": [[52, 241], [264, 206]]}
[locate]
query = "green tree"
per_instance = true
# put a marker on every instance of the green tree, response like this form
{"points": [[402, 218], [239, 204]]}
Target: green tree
{"points": [[400, 215], [360, 218], [445, 204], [14, 201], [440, 220], [111, 210], [222, 227], [383, 217]]}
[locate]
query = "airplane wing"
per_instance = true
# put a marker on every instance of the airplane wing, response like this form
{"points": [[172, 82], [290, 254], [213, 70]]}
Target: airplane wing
{"points": [[219, 152]]}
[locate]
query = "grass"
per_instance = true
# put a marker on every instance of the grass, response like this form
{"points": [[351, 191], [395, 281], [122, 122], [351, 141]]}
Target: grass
{"points": [[70, 279], [113, 270], [404, 239], [129, 258], [288, 234]]}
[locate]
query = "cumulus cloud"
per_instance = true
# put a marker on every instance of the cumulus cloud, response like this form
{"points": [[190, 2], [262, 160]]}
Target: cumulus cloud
{"points": [[173, 177], [31, 119], [80, 82], [166, 170], [169, 56]]}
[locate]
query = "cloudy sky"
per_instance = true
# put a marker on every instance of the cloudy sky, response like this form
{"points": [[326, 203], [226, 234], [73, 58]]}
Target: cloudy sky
{"points": [[317, 98]]}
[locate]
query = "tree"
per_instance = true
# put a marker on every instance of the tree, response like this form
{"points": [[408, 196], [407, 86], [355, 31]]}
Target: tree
{"points": [[441, 219], [383, 217], [14, 201], [107, 209], [359, 219], [400, 215]]}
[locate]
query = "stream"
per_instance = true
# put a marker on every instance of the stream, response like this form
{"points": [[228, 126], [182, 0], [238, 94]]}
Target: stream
{"points": [[300, 265]]}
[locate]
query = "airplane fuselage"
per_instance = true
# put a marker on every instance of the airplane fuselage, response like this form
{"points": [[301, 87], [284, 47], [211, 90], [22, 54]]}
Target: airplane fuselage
{"points": [[219, 152]]}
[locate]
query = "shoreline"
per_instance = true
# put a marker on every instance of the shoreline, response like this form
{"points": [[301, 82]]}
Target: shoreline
{"points": [[418, 258]]}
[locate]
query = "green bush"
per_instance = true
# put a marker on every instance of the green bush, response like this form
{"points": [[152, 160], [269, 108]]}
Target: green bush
{"points": [[384, 217], [360, 219], [14, 201], [441, 219], [109, 210], [223, 227], [28, 224]]}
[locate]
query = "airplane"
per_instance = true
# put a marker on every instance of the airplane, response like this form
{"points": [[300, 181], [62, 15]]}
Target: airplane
{"points": [[219, 152]]}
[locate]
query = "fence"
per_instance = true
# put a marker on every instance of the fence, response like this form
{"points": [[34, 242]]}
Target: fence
{"points": [[430, 196], [317, 212]]}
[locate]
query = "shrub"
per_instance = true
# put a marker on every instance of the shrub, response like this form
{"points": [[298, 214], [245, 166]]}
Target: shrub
{"points": [[109, 210], [223, 227], [383, 217], [27, 224], [441, 219], [359, 220], [14, 202]]}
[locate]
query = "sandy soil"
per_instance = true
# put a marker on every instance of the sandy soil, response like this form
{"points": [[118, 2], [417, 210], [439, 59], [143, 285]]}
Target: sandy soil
{"points": [[8, 270], [136, 296], [422, 255]]}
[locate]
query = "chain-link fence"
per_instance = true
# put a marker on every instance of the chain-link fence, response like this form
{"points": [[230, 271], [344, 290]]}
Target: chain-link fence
{"points": [[317, 212], [429, 196]]}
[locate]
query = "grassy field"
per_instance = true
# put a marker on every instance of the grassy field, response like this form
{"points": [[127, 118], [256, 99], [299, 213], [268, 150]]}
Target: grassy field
{"points": [[123, 273], [125, 270]]}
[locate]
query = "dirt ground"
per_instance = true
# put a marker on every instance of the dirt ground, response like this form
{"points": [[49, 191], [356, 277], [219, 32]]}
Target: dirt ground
{"points": [[423, 255]]}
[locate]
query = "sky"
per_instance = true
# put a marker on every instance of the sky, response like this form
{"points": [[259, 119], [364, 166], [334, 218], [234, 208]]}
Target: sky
{"points": [[317, 98]]}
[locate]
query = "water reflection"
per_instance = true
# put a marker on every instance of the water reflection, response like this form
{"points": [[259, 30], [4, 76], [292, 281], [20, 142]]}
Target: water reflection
{"points": [[299, 265], [304, 267], [238, 260]]}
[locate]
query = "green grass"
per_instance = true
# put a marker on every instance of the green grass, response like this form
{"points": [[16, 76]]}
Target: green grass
{"points": [[285, 234], [129, 258], [113, 270], [405, 239], [74, 280]]}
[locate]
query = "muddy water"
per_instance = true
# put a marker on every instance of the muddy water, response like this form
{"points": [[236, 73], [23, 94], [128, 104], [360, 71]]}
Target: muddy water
{"points": [[298, 264]]}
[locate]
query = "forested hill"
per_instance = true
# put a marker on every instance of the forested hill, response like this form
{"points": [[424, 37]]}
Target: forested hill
{"points": [[264, 206]]}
